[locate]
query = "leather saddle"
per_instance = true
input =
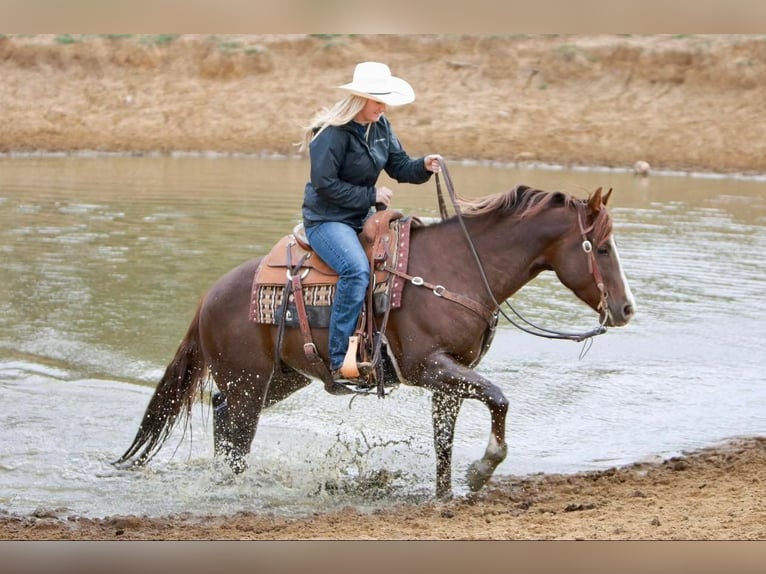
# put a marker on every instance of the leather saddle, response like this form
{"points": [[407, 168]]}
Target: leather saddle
{"points": [[293, 287], [293, 249], [385, 238]]}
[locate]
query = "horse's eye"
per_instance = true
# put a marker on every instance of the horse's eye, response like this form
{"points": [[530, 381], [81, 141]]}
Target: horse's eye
{"points": [[604, 249]]}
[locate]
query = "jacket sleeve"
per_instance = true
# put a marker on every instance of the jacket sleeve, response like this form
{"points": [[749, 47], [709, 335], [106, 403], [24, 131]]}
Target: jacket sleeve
{"points": [[401, 166], [327, 152]]}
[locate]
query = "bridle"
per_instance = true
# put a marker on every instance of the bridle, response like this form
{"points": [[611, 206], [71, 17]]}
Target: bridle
{"points": [[528, 326], [593, 268]]}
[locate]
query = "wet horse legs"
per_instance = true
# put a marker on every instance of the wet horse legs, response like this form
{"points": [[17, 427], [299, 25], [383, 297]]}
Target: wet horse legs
{"points": [[444, 411], [451, 383]]}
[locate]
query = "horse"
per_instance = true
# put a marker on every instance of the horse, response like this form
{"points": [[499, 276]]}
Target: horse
{"points": [[480, 257]]}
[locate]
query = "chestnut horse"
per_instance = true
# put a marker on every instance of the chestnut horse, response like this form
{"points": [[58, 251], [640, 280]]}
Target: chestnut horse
{"points": [[480, 256]]}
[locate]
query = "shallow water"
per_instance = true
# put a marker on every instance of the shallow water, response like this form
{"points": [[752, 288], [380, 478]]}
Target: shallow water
{"points": [[103, 261]]}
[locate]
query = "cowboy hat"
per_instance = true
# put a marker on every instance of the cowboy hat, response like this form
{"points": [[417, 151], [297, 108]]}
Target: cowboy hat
{"points": [[374, 81]]}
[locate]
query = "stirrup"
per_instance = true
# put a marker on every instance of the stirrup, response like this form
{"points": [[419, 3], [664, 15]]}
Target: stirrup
{"points": [[350, 368], [360, 386], [362, 370], [358, 382]]}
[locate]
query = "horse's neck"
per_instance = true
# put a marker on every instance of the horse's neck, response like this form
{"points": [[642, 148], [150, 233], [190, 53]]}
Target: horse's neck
{"points": [[511, 253]]}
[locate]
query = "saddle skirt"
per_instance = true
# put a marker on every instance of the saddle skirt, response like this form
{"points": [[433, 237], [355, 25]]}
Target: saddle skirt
{"points": [[385, 239]]}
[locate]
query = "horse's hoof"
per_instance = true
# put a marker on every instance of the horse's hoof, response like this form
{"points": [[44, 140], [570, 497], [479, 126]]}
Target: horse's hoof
{"points": [[238, 464], [445, 496], [477, 476], [337, 389]]}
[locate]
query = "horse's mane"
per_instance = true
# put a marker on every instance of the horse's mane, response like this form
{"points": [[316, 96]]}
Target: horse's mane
{"points": [[524, 202]]}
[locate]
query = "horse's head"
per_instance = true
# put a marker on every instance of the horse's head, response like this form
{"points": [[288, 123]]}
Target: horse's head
{"points": [[587, 261]]}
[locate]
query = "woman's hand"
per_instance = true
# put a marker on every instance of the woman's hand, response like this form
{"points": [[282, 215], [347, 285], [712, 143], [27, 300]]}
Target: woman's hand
{"points": [[383, 196], [433, 163]]}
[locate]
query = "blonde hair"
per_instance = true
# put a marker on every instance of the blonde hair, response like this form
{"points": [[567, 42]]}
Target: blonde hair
{"points": [[341, 113]]}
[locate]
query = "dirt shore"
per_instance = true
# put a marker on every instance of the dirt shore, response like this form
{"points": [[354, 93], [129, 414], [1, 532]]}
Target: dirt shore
{"points": [[677, 102], [687, 102], [714, 494]]}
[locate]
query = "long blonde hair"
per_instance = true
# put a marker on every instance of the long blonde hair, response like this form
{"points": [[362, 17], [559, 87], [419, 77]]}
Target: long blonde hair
{"points": [[341, 113]]}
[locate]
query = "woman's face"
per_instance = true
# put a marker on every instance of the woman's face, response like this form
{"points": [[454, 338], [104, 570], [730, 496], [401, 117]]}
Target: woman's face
{"points": [[371, 112]]}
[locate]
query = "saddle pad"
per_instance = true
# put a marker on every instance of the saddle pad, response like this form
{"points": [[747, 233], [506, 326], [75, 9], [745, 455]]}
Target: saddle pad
{"points": [[267, 301]]}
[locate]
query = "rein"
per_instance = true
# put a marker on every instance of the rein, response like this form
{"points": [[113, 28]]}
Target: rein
{"points": [[530, 327]]}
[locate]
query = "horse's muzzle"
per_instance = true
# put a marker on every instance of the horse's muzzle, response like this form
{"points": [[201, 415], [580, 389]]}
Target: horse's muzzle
{"points": [[619, 316]]}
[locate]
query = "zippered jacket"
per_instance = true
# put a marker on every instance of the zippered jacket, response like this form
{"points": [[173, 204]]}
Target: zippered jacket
{"points": [[345, 169]]}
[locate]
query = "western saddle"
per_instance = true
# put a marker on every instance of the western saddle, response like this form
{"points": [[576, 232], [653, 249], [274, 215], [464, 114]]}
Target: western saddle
{"points": [[293, 287]]}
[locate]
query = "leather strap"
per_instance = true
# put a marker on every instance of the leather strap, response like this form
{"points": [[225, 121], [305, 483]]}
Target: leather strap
{"points": [[309, 348], [402, 260], [294, 279], [440, 291]]}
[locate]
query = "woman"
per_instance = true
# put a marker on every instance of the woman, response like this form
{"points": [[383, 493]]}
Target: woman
{"points": [[349, 145]]}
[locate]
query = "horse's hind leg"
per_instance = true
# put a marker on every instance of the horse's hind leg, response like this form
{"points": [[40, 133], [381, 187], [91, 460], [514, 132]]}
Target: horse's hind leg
{"points": [[223, 442], [236, 412]]}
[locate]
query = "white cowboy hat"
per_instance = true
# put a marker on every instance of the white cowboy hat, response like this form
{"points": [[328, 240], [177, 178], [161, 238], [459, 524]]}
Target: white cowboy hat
{"points": [[374, 81]]}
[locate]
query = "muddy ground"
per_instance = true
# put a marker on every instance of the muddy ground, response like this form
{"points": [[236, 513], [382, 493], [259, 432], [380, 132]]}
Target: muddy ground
{"points": [[713, 494], [681, 102]]}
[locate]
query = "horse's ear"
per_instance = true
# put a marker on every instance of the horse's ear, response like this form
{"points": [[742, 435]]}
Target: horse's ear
{"points": [[597, 199], [594, 201]]}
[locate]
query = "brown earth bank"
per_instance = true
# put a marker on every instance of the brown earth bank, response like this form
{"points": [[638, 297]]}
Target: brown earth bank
{"points": [[686, 102], [678, 102], [718, 493]]}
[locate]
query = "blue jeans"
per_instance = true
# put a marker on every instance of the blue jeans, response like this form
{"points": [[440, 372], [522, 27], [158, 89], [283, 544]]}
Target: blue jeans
{"points": [[338, 246]]}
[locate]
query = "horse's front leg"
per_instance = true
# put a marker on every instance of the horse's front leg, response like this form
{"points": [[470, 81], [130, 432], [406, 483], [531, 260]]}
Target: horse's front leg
{"points": [[444, 411], [451, 382], [481, 470]]}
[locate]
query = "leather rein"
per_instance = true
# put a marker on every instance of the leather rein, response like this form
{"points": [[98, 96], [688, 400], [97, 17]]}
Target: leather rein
{"points": [[528, 326]]}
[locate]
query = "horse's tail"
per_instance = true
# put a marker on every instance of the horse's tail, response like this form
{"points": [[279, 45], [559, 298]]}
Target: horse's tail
{"points": [[172, 400]]}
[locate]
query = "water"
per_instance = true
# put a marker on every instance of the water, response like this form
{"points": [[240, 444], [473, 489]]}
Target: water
{"points": [[103, 261]]}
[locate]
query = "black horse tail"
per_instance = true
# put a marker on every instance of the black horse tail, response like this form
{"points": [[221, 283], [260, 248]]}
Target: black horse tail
{"points": [[172, 400]]}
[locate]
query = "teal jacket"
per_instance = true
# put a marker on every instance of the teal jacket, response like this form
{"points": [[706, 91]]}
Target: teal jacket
{"points": [[345, 169]]}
